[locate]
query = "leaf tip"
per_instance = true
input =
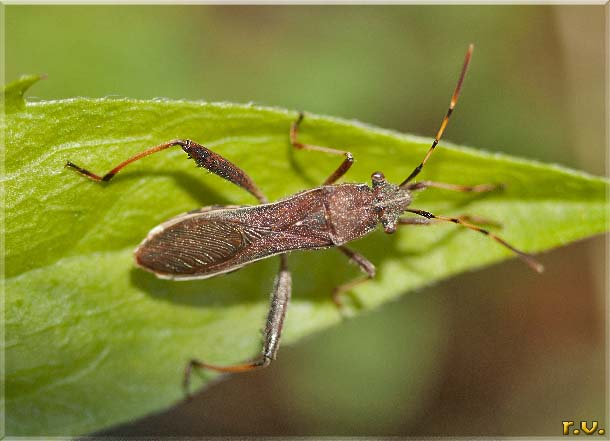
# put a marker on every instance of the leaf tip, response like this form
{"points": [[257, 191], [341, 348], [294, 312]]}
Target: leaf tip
{"points": [[12, 94]]}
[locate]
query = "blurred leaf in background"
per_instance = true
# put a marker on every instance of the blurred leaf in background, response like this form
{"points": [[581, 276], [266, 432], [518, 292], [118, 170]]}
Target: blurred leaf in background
{"points": [[491, 346]]}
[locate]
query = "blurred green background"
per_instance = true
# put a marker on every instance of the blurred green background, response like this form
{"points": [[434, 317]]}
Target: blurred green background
{"points": [[502, 351]]}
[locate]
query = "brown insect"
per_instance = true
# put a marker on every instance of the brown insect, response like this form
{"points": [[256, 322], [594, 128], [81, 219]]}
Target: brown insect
{"points": [[219, 239]]}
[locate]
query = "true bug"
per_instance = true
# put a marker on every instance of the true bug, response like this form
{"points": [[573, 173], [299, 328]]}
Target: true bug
{"points": [[215, 240]]}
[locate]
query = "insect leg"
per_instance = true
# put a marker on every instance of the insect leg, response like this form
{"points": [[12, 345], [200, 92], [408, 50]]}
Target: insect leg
{"points": [[280, 297], [421, 185], [536, 266], [340, 171], [464, 218], [203, 156], [365, 265]]}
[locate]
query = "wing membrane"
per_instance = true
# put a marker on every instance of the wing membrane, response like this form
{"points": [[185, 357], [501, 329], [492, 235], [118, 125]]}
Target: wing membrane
{"points": [[192, 246], [217, 240]]}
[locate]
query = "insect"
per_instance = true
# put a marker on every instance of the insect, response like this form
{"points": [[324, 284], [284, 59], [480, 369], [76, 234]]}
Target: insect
{"points": [[215, 240]]}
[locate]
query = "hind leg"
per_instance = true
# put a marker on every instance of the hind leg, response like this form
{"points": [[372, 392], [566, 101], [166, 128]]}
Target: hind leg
{"points": [[280, 297]]}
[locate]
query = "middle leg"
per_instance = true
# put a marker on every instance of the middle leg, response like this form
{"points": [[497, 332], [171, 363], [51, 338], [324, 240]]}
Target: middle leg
{"points": [[340, 171], [365, 266]]}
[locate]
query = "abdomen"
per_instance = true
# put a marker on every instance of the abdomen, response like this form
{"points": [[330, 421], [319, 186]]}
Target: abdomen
{"points": [[203, 244]]}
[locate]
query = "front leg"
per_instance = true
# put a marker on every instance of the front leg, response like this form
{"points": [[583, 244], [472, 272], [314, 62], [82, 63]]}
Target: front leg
{"points": [[464, 218], [280, 297], [481, 188], [527, 258]]}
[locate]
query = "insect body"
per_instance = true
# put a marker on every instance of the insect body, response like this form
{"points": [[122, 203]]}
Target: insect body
{"points": [[229, 238], [216, 240]]}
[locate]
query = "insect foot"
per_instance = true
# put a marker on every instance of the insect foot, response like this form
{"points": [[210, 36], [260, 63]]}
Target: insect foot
{"points": [[221, 239]]}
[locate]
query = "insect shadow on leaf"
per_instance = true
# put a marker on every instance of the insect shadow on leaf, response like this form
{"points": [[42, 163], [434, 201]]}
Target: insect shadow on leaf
{"points": [[216, 240]]}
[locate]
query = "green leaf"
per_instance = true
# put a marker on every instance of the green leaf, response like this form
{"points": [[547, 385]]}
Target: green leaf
{"points": [[12, 94], [92, 341]]}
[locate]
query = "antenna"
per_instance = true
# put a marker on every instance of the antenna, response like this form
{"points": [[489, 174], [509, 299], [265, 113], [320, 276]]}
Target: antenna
{"points": [[441, 130]]}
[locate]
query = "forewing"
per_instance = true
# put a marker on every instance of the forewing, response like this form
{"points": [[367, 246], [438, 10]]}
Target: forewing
{"points": [[194, 246]]}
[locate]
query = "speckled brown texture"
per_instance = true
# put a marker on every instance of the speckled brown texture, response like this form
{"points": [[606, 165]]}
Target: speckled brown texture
{"points": [[217, 240]]}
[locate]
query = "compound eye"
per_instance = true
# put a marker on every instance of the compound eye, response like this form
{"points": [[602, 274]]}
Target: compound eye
{"points": [[377, 178], [390, 228]]}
